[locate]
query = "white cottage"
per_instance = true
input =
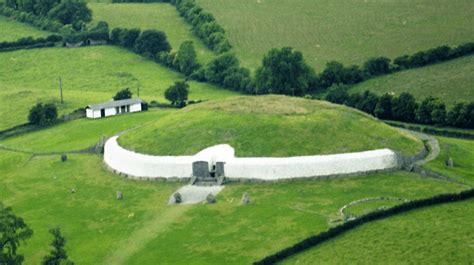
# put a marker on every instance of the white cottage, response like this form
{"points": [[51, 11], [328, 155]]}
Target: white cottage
{"points": [[115, 107]]}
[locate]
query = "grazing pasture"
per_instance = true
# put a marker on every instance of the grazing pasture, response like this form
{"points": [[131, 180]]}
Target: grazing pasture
{"points": [[345, 31], [425, 236], [268, 126], [160, 16], [89, 75], [12, 30], [451, 82], [143, 229]]}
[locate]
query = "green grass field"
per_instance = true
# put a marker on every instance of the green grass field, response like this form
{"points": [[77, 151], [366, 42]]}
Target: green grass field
{"points": [[268, 126], [89, 75], [82, 133], [451, 82], [346, 31], [160, 16], [425, 236], [142, 229], [12, 30], [462, 153]]}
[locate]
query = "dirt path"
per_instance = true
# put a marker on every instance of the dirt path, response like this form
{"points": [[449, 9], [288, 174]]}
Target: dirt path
{"points": [[431, 142]]}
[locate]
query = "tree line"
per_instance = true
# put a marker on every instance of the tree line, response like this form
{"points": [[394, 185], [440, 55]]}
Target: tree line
{"points": [[405, 108], [333, 232], [30, 42]]}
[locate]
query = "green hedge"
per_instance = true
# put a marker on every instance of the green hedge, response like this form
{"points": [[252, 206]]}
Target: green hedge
{"points": [[373, 216]]}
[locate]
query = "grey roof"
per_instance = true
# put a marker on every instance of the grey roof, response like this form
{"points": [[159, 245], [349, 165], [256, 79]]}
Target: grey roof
{"points": [[115, 103]]}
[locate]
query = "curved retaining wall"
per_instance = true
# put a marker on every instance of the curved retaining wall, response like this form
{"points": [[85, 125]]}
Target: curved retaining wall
{"points": [[140, 165]]}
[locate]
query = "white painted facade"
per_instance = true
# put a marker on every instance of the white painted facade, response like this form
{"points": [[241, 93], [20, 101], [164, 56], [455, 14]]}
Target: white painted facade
{"points": [[113, 108], [140, 165]]}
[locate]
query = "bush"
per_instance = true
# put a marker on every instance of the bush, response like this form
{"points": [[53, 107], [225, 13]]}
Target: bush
{"points": [[186, 59], [283, 71], [71, 12], [123, 94], [43, 114], [377, 66], [337, 94], [177, 94], [404, 107], [150, 42]]}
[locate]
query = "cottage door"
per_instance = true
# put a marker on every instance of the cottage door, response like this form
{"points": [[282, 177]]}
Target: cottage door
{"points": [[102, 113]]}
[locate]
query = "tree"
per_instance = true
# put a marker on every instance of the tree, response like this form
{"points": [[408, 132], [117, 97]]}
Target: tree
{"points": [[71, 12], [177, 94], [283, 71], [43, 114], [404, 107], [26, 5], [383, 109], [123, 94], [368, 102], [13, 231], [58, 255], [217, 69], [186, 58], [12, 3], [42, 7], [439, 114], [377, 66], [337, 94], [332, 74], [423, 113], [129, 37], [151, 42]]}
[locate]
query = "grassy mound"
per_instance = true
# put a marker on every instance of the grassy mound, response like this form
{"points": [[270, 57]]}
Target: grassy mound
{"points": [[268, 126], [450, 82], [12, 30], [159, 16], [90, 75], [346, 31], [403, 239]]}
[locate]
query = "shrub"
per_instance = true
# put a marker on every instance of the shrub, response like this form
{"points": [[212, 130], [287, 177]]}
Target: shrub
{"points": [[186, 58], [383, 109], [404, 107], [123, 94], [283, 71], [150, 42], [43, 114], [71, 12], [377, 66], [337, 94], [177, 94]]}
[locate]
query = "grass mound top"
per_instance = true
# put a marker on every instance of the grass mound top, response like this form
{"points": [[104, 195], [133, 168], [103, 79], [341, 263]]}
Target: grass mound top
{"points": [[273, 126]]}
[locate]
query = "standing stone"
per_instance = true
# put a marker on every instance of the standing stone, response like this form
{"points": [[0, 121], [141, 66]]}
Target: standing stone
{"points": [[119, 195], [177, 197], [201, 169], [211, 198], [245, 198], [450, 162], [63, 158]]}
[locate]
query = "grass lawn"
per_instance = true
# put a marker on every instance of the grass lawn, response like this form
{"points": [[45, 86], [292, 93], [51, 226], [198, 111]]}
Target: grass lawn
{"points": [[12, 30], [462, 153], [142, 229], [268, 126], [160, 16], [451, 82], [439, 234], [83, 133], [346, 31], [90, 75]]}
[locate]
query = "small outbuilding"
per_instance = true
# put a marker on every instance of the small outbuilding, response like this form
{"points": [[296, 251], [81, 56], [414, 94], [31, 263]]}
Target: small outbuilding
{"points": [[115, 107]]}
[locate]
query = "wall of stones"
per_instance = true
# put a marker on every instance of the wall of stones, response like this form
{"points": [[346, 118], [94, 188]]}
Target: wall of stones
{"points": [[139, 165]]}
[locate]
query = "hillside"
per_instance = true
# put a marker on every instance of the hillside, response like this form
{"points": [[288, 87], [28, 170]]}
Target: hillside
{"points": [[89, 75], [159, 16], [268, 126], [12, 30], [450, 81], [407, 238], [346, 31]]}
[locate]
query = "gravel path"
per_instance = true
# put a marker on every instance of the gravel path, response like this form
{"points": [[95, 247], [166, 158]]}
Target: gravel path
{"points": [[191, 194], [431, 141]]}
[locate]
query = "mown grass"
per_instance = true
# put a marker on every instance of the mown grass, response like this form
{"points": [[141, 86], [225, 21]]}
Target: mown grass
{"points": [[142, 229], [268, 126], [346, 31], [462, 153], [81, 134], [433, 235], [12, 30], [89, 75], [450, 82], [160, 16]]}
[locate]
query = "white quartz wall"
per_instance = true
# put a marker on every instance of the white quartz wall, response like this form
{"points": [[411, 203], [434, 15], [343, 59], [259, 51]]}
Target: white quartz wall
{"points": [[141, 165]]}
